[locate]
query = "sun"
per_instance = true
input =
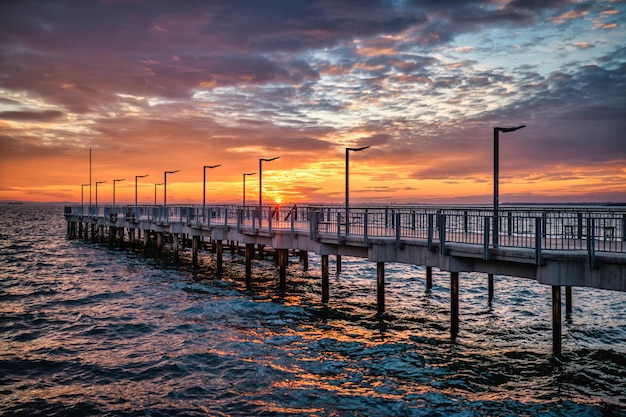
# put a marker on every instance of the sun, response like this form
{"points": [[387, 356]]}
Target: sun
{"points": [[278, 200]]}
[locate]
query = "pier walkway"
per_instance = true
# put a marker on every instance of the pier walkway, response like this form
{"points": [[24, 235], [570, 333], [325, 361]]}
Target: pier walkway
{"points": [[573, 246]]}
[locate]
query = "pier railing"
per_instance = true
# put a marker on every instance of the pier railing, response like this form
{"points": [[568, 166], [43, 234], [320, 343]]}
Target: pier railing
{"points": [[592, 229]]}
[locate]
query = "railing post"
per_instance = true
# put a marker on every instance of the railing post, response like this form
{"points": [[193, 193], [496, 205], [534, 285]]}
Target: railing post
{"points": [[365, 231], [430, 231], [398, 230], [509, 223], [225, 217], [624, 228], [465, 221], [339, 226], [442, 234], [591, 241], [538, 240], [486, 232]]}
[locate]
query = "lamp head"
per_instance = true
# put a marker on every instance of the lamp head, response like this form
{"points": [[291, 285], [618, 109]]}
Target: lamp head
{"points": [[357, 149], [509, 129], [269, 159]]}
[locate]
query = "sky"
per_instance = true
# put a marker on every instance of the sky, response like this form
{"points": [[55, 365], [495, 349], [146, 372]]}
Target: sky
{"points": [[151, 86]]}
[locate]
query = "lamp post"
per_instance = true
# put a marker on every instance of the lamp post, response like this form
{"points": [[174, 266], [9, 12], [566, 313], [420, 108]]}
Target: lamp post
{"points": [[348, 183], [261, 160], [82, 199], [136, 177], [165, 186], [204, 185], [155, 186], [244, 185], [98, 182], [114, 181], [496, 168]]}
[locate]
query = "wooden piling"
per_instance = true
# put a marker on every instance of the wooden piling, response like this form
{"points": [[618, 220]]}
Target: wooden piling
{"points": [[556, 319], [325, 281], [429, 278], [195, 244], [568, 300], [249, 255], [219, 246], [282, 266], [338, 264], [454, 304], [380, 287], [304, 260], [490, 287]]}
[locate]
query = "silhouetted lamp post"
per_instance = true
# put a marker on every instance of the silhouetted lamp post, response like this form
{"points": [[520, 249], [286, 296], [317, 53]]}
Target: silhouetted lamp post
{"points": [[496, 168], [204, 184], [136, 177], [98, 182], [155, 186], [165, 186], [82, 199], [114, 181], [244, 185], [348, 182], [261, 160]]}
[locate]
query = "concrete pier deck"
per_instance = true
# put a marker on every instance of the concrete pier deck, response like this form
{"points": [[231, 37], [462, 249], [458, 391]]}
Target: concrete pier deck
{"points": [[559, 246]]}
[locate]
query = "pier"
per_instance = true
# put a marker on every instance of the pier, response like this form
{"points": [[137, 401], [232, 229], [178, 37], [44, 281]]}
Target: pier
{"points": [[573, 246]]}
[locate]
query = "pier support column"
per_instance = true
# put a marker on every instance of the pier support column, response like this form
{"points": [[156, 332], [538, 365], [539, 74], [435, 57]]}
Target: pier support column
{"points": [[195, 244], [282, 267], [454, 304], [120, 234], [146, 244], [131, 237], [249, 255], [556, 319], [260, 248], [233, 247], [338, 264], [325, 291], [112, 233], [490, 287], [304, 260], [568, 300], [159, 244], [219, 247], [380, 287], [429, 278], [176, 246]]}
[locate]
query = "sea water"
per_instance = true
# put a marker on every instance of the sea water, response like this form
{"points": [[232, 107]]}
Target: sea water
{"points": [[86, 330]]}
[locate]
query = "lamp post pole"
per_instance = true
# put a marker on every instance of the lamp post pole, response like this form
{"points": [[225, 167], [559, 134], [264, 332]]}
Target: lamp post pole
{"points": [[114, 181], [348, 183], [496, 179], [82, 199], [261, 160], [204, 185], [136, 177], [165, 186], [244, 185], [155, 186], [98, 182]]}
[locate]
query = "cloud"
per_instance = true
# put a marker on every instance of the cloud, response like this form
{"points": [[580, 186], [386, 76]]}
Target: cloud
{"points": [[32, 116]]}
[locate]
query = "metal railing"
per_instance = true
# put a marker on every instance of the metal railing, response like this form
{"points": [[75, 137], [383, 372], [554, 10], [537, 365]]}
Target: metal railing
{"points": [[591, 229]]}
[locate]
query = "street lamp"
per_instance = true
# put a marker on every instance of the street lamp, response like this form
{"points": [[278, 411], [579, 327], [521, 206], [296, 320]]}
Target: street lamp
{"points": [[496, 168], [82, 200], [244, 185], [155, 186], [261, 160], [98, 182], [348, 183], [204, 184], [165, 185], [114, 181], [138, 176]]}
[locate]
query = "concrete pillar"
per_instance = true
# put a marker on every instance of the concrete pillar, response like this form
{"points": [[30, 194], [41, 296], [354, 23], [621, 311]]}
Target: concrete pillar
{"points": [[454, 304], [249, 255], [176, 247], [195, 244], [380, 287], [219, 248], [325, 290], [338, 264], [282, 266], [490, 285], [556, 319], [429, 278], [159, 244], [568, 300], [304, 260]]}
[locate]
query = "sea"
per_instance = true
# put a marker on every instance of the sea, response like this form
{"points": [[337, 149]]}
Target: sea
{"points": [[90, 331]]}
